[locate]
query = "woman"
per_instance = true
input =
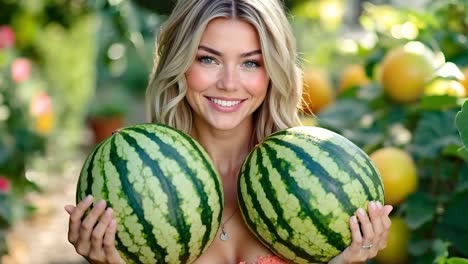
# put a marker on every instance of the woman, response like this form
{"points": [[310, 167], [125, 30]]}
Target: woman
{"points": [[225, 73]]}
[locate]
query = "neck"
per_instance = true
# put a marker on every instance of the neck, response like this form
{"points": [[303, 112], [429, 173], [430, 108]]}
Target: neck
{"points": [[228, 150]]}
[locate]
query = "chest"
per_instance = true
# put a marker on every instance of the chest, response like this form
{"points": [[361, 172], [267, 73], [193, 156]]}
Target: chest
{"points": [[241, 245]]}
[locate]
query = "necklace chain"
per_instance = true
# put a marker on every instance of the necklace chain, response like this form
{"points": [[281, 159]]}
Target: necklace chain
{"points": [[224, 235]]}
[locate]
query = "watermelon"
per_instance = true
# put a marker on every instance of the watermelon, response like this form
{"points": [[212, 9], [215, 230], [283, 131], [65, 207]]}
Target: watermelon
{"points": [[299, 187], [164, 189]]}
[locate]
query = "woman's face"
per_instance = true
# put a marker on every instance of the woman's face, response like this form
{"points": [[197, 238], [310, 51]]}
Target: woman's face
{"points": [[227, 81]]}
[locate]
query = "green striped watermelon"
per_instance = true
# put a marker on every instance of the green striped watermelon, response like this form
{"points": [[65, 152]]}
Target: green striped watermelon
{"points": [[166, 194], [299, 187]]}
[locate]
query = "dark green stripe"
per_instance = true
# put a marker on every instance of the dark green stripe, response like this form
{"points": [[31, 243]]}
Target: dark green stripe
{"points": [[89, 167], [89, 177], [209, 167], [133, 197], [367, 167], [328, 183], [304, 196], [169, 151], [374, 176], [134, 258], [263, 173], [343, 161]]}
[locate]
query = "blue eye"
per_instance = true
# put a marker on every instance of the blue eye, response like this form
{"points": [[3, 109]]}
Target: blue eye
{"points": [[206, 60], [251, 64]]}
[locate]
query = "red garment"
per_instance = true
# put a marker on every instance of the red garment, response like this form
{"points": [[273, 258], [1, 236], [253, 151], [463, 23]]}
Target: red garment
{"points": [[271, 259]]}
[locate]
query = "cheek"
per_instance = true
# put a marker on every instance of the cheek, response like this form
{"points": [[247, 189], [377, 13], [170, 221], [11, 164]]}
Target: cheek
{"points": [[257, 85], [198, 79]]}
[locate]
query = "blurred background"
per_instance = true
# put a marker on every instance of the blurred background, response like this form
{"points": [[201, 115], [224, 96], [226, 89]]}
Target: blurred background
{"points": [[390, 75]]}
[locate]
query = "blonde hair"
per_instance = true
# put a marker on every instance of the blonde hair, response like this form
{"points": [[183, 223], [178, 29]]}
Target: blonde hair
{"points": [[176, 49]]}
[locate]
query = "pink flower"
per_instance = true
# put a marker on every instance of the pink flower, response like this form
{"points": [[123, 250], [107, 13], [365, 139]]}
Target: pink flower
{"points": [[20, 70], [7, 37], [5, 185], [40, 104]]}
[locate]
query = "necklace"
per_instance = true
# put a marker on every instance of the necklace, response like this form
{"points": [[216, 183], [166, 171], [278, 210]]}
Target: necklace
{"points": [[224, 236]]}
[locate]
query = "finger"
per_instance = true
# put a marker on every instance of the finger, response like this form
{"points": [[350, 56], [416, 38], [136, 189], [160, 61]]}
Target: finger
{"points": [[386, 222], [109, 243], [87, 225], [366, 226], [69, 208], [388, 209], [75, 218], [356, 236], [375, 213], [98, 233]]}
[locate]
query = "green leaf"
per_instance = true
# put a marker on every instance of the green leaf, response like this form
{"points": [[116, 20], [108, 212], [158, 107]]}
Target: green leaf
{"points": [[420, 209], [434, 132], [419, 247], [452, 226], [463, 153], [462, 183], [6, 215], [345, 114], [461, 120], [440, 249], [457, 261], [438, 102]]}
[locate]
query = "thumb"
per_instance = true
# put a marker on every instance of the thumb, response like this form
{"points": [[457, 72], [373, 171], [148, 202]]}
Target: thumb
{"points": [[388, 209], [69, 208]]}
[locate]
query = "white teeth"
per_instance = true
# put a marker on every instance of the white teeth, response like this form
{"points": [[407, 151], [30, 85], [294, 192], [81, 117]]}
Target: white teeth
{"points": [[224, 103]]}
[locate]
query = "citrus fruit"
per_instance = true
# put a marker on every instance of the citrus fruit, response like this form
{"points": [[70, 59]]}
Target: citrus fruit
{"points": [[405, 71], [445, 87], [318, 91], [352, 75], [464, 81], [398, 172], [396, 251]]}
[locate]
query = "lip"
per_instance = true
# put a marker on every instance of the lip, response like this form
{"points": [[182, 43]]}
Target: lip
{"points": [[225, 109], [224, 98]]}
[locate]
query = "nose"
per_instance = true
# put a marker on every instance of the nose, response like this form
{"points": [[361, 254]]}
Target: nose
{"points": [[228, 79]]}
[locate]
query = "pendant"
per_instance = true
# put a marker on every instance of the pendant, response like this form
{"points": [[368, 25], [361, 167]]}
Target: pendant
{"points": [[224, 236]]}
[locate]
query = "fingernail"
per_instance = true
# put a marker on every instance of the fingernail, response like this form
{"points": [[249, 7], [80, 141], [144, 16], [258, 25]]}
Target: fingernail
{"points": [[372, 205], [100, 204], [88, 198], [361, 212], [353, 219], [379, 205], [108, 211], [112, 223]]}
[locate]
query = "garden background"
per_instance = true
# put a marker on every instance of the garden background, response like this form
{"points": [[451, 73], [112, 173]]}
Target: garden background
{"points": [[390, 75]]}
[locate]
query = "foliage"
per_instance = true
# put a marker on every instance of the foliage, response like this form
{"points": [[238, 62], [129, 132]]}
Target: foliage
{"points": [[59, 37], [425, 128], [47, 75], [26, 116]]}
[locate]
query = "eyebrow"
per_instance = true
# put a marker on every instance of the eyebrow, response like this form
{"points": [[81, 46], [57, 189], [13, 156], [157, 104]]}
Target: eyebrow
{"points": [[217, 53]]}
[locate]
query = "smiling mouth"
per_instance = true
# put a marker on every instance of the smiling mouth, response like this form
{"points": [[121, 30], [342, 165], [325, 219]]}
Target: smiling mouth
{"points": [[225, 103]]}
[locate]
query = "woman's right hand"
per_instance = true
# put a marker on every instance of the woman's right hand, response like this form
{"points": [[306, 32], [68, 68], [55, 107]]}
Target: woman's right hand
{"points": [[93, 236]]}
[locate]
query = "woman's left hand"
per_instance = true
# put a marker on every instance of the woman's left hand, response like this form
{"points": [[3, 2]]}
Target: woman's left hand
{"points": [[370, 238]]}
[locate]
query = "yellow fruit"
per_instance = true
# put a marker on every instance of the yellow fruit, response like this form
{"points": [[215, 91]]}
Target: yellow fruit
{"points": [[352, 75], [464, 81], [45, 123], [398, 172], [405, 70], [308, 120], [445, 87], [396, 251], [318, 91]]}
